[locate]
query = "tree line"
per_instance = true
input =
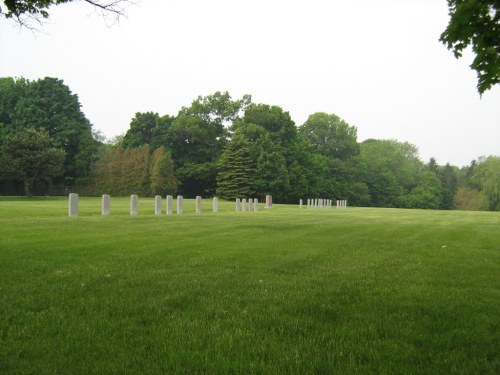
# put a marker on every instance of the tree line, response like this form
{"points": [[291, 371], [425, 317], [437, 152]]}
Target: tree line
{"points": [[225, 147]]}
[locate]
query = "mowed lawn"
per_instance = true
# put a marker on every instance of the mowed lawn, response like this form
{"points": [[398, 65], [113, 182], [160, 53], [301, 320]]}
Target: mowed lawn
{"points": [[279, 291]]}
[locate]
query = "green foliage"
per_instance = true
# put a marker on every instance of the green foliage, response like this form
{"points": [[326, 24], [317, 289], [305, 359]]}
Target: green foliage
{"points": [[49, 104], [34, 8], [219, 108], [197, 138], [235, 170], [11, 91], [27, 12], [427, 193], [272, 136], [469, 199], [391, 171], [148, 129], [197, 179], [331, 136], [29, 156], [238, 148], [476, 23], [274, 120], [448, 176], [487, 177], [122, 172], [162, 175]]}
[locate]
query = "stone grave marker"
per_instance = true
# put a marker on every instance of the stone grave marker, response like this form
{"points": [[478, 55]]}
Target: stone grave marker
{"points": [[180, 204], [133, 204], [73, 205], [106, 205], [170, 205]]}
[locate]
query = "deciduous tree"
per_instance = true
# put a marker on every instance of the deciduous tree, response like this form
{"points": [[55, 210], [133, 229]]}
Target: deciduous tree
{"points": [[476, 23], [331, 136], [487, 177], [29, 155], [162, 177], [197, 137], [48, 103], [391, 171], [27, 11], [148, 128]]}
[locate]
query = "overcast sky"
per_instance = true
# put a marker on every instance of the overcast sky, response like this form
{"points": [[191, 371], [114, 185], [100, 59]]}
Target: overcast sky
{"points": [[377, 64]]}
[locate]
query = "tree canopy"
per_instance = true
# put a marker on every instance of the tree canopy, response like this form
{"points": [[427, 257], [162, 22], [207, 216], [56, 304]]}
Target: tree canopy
{"points": [[29, 155], [49, 104], [476, 23], [228, 147], [25, 11]]}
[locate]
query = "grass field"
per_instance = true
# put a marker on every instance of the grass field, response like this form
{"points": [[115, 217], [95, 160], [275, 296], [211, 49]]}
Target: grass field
{"points": [[290, 291]]}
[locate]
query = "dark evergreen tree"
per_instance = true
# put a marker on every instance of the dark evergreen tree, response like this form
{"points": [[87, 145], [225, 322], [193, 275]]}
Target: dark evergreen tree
{"points": [[235, 170]]}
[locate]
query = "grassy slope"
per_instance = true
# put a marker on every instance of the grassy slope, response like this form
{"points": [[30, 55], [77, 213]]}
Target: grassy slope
{"points": [[277, 291]]}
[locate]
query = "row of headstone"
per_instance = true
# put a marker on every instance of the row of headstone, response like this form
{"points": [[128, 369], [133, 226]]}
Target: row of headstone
{"points": [[134, 202], [244, 205], [342, 203], [317, 203]]}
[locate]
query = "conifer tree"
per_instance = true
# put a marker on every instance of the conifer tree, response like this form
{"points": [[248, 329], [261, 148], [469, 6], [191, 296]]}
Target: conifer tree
{"points": [[234, 179]]}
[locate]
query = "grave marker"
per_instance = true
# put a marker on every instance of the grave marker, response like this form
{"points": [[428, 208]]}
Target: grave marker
{"points": [[106, 205], [170, 205], [269, 201], [180, 204], [133, 204], [158, 205], [73, 205], [198, 204]]}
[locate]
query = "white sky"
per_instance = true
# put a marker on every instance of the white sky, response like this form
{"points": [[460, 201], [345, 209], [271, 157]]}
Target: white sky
{"points": [[377, 64]]}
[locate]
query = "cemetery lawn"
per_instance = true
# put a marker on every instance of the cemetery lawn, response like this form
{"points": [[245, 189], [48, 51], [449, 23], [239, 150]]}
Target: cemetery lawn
{"points": [[280, 291]]}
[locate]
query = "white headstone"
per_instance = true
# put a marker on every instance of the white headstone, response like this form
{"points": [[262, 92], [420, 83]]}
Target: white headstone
{"points": [[244, 204], [256, 204], [250, 204], [198, 204], [269, 201], [158, 205], [73, 204], [301, 203], [180, 204], [216, 204], [106, 205], [238, 205], [170, 205], [133, 204]]}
